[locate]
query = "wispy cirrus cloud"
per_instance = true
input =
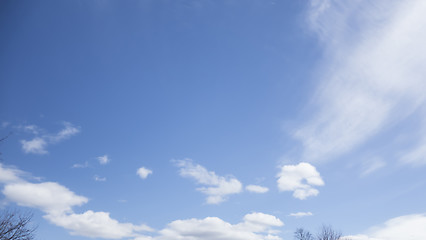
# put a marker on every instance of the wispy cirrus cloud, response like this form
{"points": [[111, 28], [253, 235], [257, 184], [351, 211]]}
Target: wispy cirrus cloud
{"points": [[99, 178], [371, 77], [217, 188], [40, 142], [257, 189], [301, 214], [103, 159]]}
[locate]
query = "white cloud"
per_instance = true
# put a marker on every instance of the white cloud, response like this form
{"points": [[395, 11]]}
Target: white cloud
{"points": [[417, 155], [217, 188], [301, 214], [39, 143], [143, 172], [103, 159], [96, 225], [36, 146], [300, 179], [371, 77], [79, 165], [57, 201], [9, 175], [410, 227], [372, 166], [256, 226], [99, 179], [50, 197], [65, 133], [31, 128], [257, 189]]}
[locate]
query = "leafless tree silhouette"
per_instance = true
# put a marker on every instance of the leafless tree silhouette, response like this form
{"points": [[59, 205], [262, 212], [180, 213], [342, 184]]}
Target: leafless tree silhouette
{"points": [[16, 225]]}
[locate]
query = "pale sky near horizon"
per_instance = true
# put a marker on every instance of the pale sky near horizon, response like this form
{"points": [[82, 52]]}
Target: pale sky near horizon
{"points": [[214, 120]]}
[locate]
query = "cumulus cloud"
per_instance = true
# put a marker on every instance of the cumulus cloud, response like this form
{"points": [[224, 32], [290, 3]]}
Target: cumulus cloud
{"points": [[371, 76], [403, 227], [50, 197], [39, 143], [217, 188], [257, 189], [300, 179], [36, 146], [143, 172], [97, 225], [57, 202], [300, 214], [103, 159], [256, 226]]}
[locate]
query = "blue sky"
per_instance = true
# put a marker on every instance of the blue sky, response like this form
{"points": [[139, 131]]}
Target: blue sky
{"points": [[214, 119]]}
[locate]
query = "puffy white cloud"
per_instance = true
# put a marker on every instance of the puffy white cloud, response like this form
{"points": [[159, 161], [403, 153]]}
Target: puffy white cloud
{"points": [[50, 197], [36, 146], [103, 159], [257, 189], [143, 172], [300, 214], [256, 226], [96, 225], [57, 201], [410, 227], [300, 179], [217, 187], [371, 76], [39, 144]]}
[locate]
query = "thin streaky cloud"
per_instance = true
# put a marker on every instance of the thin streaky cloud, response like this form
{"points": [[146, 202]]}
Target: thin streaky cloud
{"points": [[103, 159], [301, 214], [371, 76], [372, 166], [79, 165], [257, 189]]}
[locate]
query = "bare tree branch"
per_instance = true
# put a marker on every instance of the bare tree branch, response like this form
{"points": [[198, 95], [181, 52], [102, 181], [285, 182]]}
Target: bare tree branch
{"points": [[15, 225]]}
